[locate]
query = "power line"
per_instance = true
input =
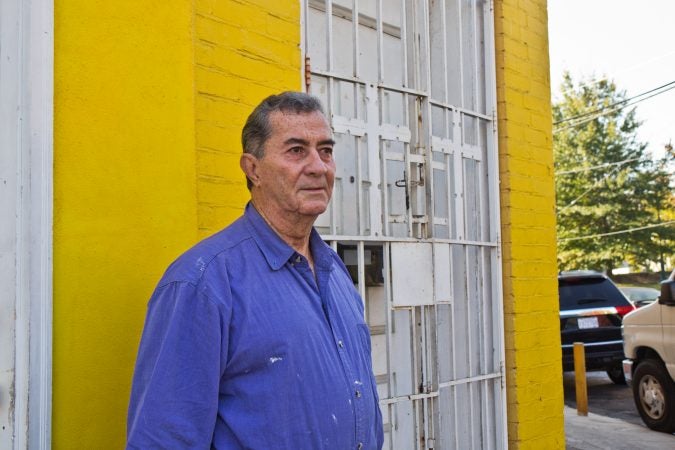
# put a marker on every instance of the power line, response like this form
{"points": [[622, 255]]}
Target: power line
{"points": [[600, 114], [618, 232], [600, 166], [593, 186], [579, 116]]}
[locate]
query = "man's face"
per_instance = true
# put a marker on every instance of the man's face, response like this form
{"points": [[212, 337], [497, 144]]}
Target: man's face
{"points": [[295, 176]]}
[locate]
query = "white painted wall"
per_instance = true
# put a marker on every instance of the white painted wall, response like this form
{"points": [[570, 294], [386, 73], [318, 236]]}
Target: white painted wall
{"points": [[26, 79]]}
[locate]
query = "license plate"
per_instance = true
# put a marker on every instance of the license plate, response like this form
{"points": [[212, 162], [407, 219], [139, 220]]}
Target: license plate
{"points": [[587, 322]]}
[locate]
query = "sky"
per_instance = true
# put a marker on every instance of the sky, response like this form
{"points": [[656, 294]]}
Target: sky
{"points": [[629, 41]]}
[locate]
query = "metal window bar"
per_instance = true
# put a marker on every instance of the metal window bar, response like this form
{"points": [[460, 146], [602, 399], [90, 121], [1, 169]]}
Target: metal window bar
{"points": [[362, 276], [377, 174], [404, 44], [407, 162], [380, 45], [416, 372], [460, 33], [444, 53], [458, 205], [355, 40], [483, 243], [388, 330], [475, 92], [329, 35]]}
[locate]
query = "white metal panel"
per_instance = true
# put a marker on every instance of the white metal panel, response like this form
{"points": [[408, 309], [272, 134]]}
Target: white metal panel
{"points": [[10, 97], [412, 269], [442, 273]]}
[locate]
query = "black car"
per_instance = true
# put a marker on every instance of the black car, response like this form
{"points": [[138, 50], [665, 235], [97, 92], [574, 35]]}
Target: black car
{"points": [[591, 311]]}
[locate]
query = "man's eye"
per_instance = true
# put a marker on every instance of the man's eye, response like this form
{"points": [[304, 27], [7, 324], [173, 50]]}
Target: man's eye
{"points": [[327, 151], [296, 150]]}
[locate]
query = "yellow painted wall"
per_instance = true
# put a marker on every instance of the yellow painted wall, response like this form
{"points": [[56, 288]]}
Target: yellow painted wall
{"points": [[244, 51], [149, 101], [124, 196], [532, 330]]}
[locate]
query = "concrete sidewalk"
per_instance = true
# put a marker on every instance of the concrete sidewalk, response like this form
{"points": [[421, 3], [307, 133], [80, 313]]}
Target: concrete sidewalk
{"points": [[594, 432]]}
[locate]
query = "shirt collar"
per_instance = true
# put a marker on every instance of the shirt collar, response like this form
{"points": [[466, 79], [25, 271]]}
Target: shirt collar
{"points": [[320, 251], [276, 251]]}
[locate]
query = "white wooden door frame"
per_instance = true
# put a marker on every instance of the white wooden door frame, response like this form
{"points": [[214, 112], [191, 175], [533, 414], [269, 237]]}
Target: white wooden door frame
{"points": [[26, 149]]}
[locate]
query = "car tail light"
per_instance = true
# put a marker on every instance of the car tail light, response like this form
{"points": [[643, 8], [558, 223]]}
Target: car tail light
{"points": [[623, 310]]}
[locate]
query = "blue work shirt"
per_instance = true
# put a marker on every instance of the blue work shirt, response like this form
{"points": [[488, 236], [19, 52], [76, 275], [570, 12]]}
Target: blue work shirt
{"points": [[244, 348]]}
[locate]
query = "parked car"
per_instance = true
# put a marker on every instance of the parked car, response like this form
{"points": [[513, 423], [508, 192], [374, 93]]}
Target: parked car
{"points": [[649, 344], [640, 296], [591, 310]]}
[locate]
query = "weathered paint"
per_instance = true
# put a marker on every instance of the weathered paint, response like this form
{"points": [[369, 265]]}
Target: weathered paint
{"points": [[532, 334]]}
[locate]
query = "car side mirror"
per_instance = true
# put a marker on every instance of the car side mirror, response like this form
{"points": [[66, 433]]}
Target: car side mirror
{"points": [[667, 293]]}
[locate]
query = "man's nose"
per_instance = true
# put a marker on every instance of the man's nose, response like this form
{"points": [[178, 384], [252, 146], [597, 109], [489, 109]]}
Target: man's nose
{"points": [[315, 164]]}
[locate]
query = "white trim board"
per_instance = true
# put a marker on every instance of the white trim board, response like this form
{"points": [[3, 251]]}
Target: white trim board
{"points": [[26, 151]]}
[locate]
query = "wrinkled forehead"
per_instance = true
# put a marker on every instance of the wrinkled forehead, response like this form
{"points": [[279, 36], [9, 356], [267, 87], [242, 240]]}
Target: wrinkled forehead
{"points": [[292, 124]]}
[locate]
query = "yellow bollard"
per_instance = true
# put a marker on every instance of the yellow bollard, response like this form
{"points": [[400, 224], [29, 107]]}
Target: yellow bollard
{"points": [[580, 378]]}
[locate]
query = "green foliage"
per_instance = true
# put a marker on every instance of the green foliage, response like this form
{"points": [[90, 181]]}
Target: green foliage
{"points": [[606, 182]]}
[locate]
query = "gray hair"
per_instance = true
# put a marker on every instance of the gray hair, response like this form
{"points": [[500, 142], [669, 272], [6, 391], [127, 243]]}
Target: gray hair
{"points": [[257, 129]]}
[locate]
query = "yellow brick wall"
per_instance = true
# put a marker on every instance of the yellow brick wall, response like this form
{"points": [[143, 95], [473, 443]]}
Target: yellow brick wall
{"points": [[244, 51], [149, 102], [532, 330]]}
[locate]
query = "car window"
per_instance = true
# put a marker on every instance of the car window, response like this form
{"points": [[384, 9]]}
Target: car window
{"points": [[637, 294], [580, 293]]}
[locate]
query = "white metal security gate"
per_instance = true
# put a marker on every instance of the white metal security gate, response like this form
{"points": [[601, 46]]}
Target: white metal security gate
{"points": [[409, 88]]}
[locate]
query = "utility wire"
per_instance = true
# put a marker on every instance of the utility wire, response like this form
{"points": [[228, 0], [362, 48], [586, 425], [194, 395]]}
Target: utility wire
{"points": [[618, 232], [616, 108], [579, 116], [600, 166], [593, 186]]}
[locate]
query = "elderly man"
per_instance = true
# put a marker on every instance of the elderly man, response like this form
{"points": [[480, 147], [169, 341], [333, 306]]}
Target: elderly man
{"points": [[255, 338]]}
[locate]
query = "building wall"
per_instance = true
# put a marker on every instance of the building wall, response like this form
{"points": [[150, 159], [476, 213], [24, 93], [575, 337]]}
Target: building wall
{"points": [[532, 330], [244, 51], [149, 102]]}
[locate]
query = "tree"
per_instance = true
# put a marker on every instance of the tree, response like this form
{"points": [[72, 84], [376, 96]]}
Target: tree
{"points": [[657, 243], [606, 182]]}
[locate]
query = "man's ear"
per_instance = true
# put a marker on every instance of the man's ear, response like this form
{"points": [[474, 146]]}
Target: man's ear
{"points": [[249, 164]]}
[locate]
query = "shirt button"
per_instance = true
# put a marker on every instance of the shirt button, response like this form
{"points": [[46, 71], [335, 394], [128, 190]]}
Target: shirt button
{"points": [[360, 446], [298, 259], [341, 344], [358, 394]]}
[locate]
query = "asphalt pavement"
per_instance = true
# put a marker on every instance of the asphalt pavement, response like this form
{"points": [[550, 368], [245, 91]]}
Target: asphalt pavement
{"points": [[595, 432], [612, 422]]}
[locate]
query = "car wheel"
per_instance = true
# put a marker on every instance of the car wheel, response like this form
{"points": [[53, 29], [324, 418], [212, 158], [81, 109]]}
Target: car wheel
{"points": [[615, 373], [654, 395]]}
